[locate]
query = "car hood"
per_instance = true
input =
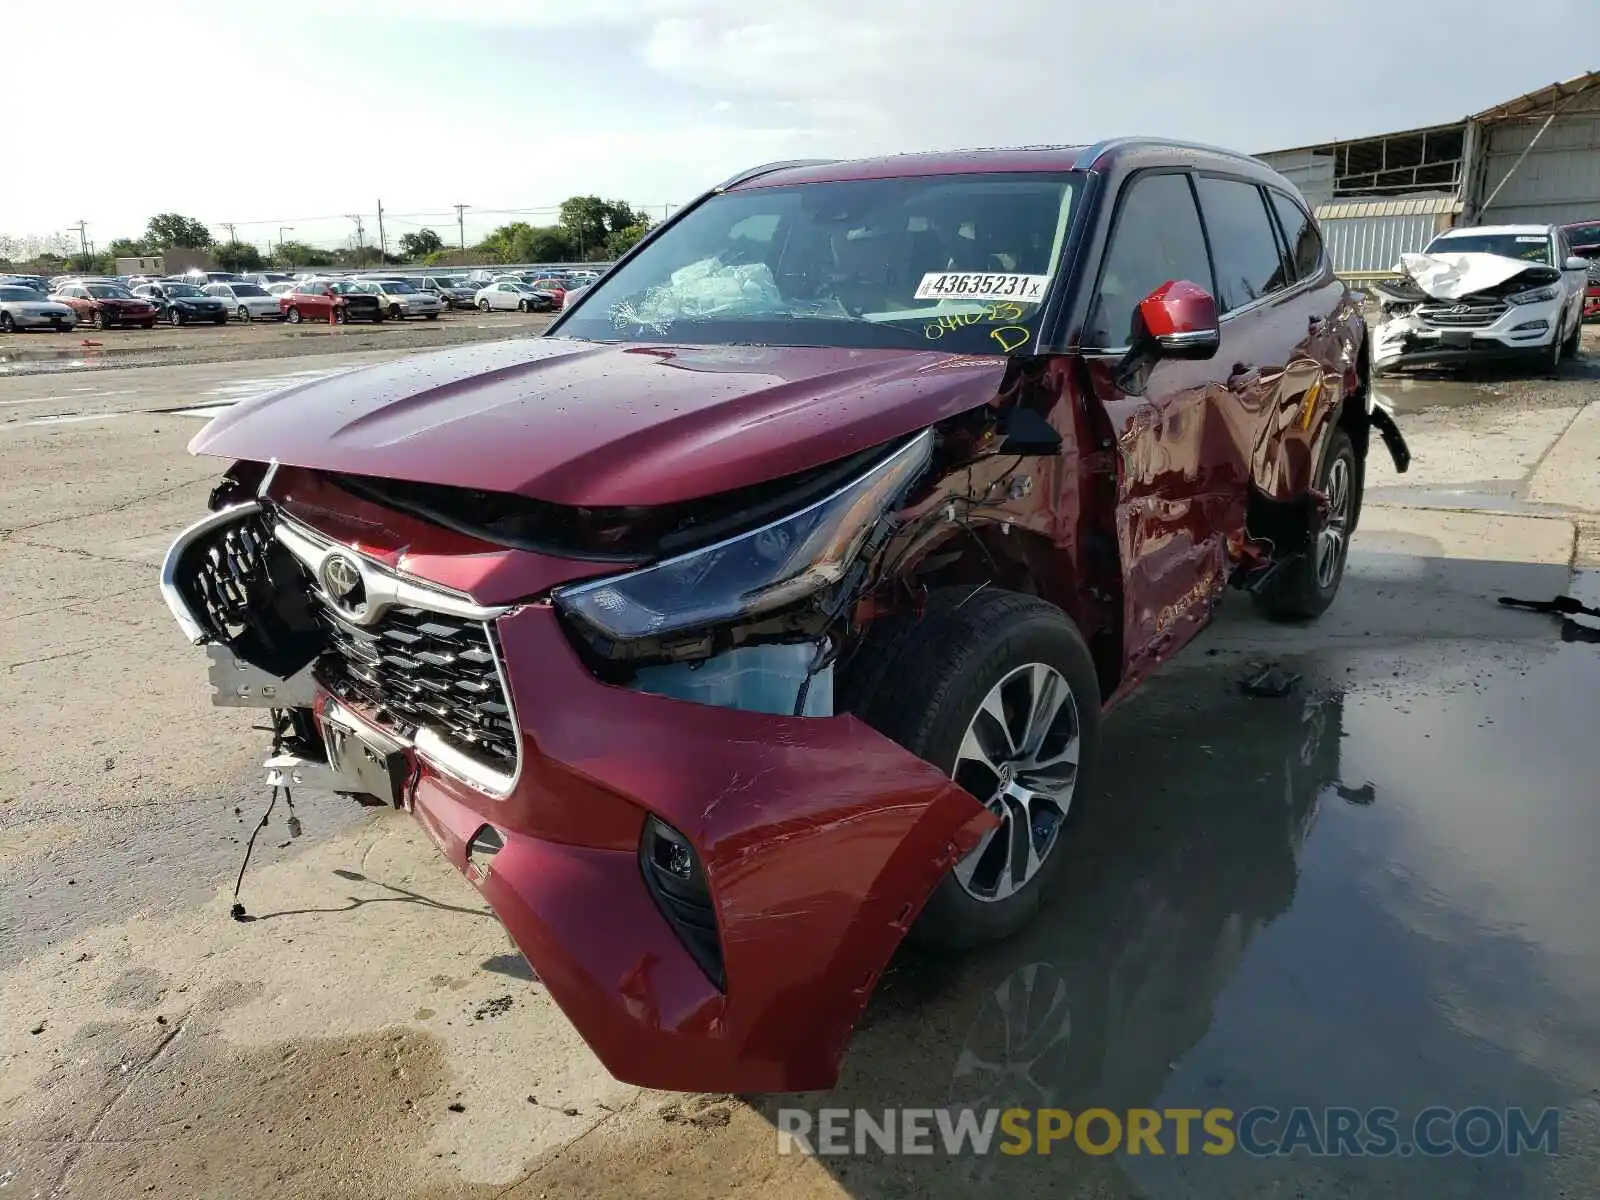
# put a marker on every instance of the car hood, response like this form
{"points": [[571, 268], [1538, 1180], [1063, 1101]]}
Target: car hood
{"points": [[36, 306], [586, 423]]}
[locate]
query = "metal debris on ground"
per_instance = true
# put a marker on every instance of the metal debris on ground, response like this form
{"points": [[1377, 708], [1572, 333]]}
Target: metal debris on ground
{"points": [[1272, 682]]}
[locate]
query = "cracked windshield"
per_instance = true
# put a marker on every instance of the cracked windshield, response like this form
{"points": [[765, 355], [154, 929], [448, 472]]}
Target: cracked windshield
{"points": [[955, 262]]}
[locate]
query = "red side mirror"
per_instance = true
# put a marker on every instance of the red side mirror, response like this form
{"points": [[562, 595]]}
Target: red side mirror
{"points": [[1180, 317]]}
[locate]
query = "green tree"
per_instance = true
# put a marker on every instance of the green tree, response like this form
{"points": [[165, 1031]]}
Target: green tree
{"points": [[167, 230], [92, 264], [238, 256], [126, 248], [420, 244], [298, 254], [620, 242], [541, 244], [498, 245], [591, 222]]}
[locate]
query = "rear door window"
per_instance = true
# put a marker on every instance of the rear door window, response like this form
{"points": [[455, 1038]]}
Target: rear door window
{"points": [[1300, 235], [1243, 244], [1156, 239]]}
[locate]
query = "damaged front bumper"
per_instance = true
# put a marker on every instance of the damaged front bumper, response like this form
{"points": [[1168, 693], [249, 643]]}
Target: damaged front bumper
{"points": [[815, 842]]}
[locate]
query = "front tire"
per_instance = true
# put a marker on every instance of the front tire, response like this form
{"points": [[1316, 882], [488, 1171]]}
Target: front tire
{"points": [[292, 316], [174, 317], [483, 306], [395, 314], [999, 690], [1574, 342], [1303, 589], [243, 314], [8, 324]]}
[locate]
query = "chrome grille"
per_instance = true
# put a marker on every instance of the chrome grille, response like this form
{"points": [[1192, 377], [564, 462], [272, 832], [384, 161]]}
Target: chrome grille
{"points": [[1476, 315], [423, 669]]}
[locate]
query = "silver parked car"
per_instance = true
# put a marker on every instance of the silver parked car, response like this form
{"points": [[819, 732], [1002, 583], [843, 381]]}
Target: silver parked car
{"points": [[23, 308], [513, 294], [401, 299], [247, 301]]}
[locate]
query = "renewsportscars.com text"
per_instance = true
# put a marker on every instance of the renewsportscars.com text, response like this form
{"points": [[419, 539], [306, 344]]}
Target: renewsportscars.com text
{"points": [[1259, 1131]]}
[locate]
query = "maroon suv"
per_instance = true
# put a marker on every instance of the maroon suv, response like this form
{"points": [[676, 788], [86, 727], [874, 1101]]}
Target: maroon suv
{"points": [[763, 613]]}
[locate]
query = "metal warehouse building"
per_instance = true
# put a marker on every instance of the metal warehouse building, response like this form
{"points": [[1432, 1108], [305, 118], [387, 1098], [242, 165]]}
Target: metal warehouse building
{"points": [[1535, 158]]}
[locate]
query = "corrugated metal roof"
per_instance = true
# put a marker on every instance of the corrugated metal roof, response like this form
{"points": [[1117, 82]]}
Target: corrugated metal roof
{"points": [[1417, 207], [1540, 102]]}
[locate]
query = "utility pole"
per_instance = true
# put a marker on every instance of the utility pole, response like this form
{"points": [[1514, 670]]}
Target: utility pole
{"points": [[361, 245], [283, 229], [461, 224], [83, 236], [229, 226], [383, 242]]}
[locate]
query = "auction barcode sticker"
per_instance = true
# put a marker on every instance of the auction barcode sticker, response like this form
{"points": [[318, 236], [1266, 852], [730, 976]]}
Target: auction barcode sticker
{"points": [[965, 285]]}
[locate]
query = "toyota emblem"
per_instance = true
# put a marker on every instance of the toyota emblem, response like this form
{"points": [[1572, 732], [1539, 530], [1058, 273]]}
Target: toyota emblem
{"points": [[344, 585]]}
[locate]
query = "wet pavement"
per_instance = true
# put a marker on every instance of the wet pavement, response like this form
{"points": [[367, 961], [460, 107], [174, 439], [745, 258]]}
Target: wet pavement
{"points": [[1375, 892]]}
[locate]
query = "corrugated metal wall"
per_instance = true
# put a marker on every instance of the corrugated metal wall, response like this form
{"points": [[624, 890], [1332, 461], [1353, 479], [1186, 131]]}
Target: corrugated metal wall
{"points": [[1559, 181], [1311, 173], [1370, 236]]}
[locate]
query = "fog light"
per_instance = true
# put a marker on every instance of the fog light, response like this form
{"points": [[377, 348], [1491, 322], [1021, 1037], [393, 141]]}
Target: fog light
{"points": [[677, 884], [1530, 326]]}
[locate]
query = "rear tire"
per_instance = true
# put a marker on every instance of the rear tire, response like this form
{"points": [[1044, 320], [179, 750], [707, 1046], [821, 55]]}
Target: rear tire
{"points": [[1304, 588], [243, 314], [395, 314], [430, 316], [341, 317], [174, 317], [956, 689], [8, 324]]}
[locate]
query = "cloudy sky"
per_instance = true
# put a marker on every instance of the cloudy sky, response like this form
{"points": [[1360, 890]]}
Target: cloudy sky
{"points": [[295, 112]]}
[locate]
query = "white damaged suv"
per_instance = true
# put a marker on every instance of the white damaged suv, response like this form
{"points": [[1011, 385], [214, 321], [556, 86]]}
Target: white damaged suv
{"points": [[1481, 293]]}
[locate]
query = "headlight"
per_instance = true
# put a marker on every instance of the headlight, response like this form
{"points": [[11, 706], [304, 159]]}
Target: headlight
{"points": [[755, 572], [1536, 296]]}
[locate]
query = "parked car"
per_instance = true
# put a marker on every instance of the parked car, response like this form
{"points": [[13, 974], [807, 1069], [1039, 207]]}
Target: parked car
{"points": [[401, 299], [247, 301], [316, 299], [766, 607], [267, 278], [180, 303], [24, 308], [556, 289], [281, 289], [509, 294], [37, 282], [201, 278], [1584, 238], [1481, 293], [453, 292], [106, 305]]}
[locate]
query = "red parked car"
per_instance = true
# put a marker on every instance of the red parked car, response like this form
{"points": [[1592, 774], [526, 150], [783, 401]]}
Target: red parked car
{"points": [[106, 305], [763, 613], [1584, 238], [315, 299], [554, 288]]}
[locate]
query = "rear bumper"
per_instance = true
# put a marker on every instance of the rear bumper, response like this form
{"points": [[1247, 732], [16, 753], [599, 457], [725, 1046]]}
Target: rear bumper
{"points": [[820, 840]]}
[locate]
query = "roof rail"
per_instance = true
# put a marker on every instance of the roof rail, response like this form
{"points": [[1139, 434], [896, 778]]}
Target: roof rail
{"points": [[768, 168], [1087, 159]]}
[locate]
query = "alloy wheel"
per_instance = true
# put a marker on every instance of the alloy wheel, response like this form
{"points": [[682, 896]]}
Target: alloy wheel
{"points": [[1336, 528], [1019, 756]]}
